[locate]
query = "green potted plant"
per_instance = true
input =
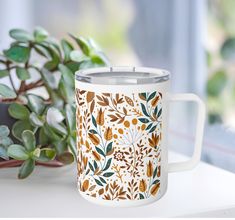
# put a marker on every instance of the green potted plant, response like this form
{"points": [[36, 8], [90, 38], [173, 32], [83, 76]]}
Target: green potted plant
{"points": [[37, 112]]}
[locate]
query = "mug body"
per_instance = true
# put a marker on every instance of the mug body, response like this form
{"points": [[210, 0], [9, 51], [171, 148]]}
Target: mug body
{"points": [[122, 134]]}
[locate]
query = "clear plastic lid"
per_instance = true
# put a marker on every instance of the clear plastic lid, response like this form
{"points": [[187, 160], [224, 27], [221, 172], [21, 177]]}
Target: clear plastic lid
{"points": [[122, 75]]}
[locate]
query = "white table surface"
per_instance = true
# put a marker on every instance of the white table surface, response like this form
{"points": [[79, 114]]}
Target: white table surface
{"points": [[51, 192]]}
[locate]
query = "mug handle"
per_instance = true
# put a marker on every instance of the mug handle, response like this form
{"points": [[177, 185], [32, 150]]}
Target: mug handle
{"points": [[190, 164]]}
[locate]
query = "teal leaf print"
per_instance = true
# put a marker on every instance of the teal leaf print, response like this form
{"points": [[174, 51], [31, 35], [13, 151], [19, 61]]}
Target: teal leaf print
{"points": [[93, 121], [92, 131], [155, 172], [149, 126], [95, 165], [151, 96], [144, 110], [152, 129], [98, 182], [108, 164], [91, 167], [100, 151], [109, 147], [159, 113], [103, 180], [108, 174], [144, 120], [141, 196]]}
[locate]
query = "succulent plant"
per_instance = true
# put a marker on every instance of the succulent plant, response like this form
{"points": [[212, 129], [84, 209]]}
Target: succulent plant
{"points": [[43, 104]]}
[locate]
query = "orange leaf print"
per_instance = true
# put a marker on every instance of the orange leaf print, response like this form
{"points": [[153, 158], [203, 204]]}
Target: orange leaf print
{"points": [[108, 134], [155, 101], [155, 189], [100, 117], [154, 140], [85, 160], [129, 101], [142, 186], [85, 185], [95, 140], [149, 169], [159, 171], [96, 156], [90, 96]]}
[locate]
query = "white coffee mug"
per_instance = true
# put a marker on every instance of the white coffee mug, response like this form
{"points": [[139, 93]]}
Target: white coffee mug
{"points": [[122, 134]]}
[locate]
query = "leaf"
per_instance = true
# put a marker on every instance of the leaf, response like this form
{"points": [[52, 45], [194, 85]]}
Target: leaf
{"points": [[159, 113], [43, 139], [70, 117], [82, 43], [141, 196], [4, 131], [36, 103], [149, 126], [155, 189], [68, 75], [109, 147], [227, 50], [217, 83], [144, 120], [151, 96], [155, 182], [5, 142], [152, 129], [129, 101], [18, 54], [107, 164], [98, 57], [40, 34], [18, 111], [22, 73], [20, 35], [85, 185], [155, 110], [29, 140], [26, 168], [93, 121], [3, 73], [100, 151], [98, 182], [92, 131], [149, 169], [91, 167], [78, 56], [3, 153], [108, 174], [49, 78], [35, 120], [7, 92], [142, 96], [19, 127], [47, 154], [17, 152], [95, 165], [90, 96], [144, 109], [66, 92], [67, 48], [66, 158], [103, 180]]}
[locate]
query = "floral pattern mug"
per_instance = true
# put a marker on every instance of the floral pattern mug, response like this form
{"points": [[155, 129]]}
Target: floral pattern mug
{"points": [[122, 118]]}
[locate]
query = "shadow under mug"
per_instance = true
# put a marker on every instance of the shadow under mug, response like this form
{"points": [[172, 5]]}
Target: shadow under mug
{"points": [[122, 134]]}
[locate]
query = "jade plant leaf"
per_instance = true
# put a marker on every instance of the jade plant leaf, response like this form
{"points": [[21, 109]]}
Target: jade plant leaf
{"points": [[26, 168], [35, 120], [19, 127], [67, 75], [20, 35], [3, 73], [67, 48], [46, 154], [18, 111], [17, 152], [66, 158], [4, 131], [28, 140], [19, 54], [6, 91], [22, 73], [40, 34], [36, 103]]}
